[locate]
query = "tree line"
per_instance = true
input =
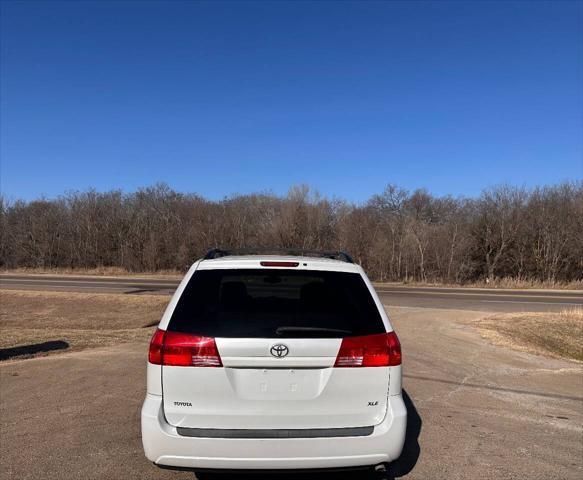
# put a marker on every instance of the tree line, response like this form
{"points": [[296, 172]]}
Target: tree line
{"points": [[397, 235]]}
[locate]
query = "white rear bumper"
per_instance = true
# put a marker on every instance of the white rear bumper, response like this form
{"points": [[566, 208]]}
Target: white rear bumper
{"points": [[164, 446]]}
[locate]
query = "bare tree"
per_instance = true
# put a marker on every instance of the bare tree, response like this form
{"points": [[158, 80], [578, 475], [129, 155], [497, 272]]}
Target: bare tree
{"points": [[396, 235], [499, 217]]}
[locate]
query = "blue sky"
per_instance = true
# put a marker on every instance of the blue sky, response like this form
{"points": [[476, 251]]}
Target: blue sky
{"points": [[235, 97]]}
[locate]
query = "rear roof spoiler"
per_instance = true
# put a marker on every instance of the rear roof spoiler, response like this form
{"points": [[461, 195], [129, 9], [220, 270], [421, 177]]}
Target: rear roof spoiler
{"points": [[295, 252]]}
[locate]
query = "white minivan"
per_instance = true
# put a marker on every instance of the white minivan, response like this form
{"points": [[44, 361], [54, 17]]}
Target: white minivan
{"points": [[266, 361]]}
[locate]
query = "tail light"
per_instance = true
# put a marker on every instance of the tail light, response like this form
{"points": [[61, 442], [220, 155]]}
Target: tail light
{"points": [[183, 350], [156, 345], [383, 350]]}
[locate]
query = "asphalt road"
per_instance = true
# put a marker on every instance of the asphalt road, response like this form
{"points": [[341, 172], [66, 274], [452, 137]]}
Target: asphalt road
{"points": [[475, 411], [490, 300]]}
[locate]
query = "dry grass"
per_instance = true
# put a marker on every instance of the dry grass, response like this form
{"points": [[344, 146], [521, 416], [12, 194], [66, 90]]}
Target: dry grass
{"points": [[521, 283], [83, 320], [502, 283], [554, 334], [99, 272]]}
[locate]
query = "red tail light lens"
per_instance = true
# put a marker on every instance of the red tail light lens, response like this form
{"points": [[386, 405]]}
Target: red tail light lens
{"points": [[156, 344], [183, 350], [383, 350]]}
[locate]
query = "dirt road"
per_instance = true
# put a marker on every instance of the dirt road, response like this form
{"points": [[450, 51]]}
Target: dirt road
{"points": [[475, 410]]}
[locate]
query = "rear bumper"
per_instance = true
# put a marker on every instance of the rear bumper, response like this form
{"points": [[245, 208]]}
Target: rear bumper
{"points": [[164, 446]]}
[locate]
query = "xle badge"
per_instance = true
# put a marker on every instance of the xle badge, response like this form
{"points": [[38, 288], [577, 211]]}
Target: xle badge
{"points": [[373, 404]]}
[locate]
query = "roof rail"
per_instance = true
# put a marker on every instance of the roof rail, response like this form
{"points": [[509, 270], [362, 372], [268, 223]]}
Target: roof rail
{"points": [[296, 252]]}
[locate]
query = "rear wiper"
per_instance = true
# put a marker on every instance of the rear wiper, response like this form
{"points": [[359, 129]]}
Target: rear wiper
{"points": [[314, 330]]}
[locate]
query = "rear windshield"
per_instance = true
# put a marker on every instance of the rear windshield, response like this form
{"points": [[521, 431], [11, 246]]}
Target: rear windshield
{"points": [[275, 304]]}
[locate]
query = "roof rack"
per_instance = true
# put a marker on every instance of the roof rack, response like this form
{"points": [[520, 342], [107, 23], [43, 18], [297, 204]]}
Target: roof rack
{"points": [[296, 252]]}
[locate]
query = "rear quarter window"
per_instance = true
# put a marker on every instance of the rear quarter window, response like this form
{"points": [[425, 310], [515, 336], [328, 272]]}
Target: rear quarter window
{"points": [[276, 303]]}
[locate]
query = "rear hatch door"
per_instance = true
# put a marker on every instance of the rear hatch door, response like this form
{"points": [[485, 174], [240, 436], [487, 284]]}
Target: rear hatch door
{"points": [[278, 333]]}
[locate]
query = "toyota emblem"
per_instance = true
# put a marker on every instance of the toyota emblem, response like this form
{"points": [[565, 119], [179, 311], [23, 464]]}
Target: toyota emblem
{"points": [[279, 350]]}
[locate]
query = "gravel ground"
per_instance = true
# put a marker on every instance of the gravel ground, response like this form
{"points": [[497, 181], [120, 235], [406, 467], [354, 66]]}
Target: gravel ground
{"points": [[476, 410]]}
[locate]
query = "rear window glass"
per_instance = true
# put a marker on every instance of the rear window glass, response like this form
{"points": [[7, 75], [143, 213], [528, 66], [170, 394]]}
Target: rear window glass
{"points": [[262, 303]]}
